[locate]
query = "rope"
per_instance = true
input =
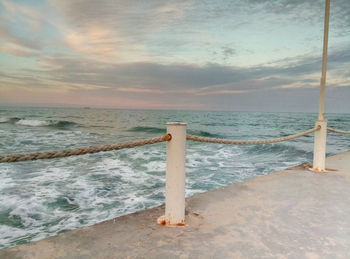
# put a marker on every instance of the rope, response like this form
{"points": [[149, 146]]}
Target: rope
{"points": [[338, 131], [81, 150], [131, 144], [249, 142]]}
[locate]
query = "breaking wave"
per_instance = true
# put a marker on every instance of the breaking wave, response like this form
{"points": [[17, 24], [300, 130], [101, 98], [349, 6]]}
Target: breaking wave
{"points": [[9, 120], [33, 123], [39, 123]]}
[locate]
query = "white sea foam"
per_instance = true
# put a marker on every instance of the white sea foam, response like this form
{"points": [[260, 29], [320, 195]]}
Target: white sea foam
{"points": [[4, 119], [33, 123], [157, 166]]}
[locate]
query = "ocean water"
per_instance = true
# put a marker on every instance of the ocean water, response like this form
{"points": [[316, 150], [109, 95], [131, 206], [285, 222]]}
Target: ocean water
{"points": [[45, 197]]}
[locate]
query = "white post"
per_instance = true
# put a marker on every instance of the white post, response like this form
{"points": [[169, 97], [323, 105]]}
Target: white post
{"points": [[320, 146], [321, 135], [175, 176]]}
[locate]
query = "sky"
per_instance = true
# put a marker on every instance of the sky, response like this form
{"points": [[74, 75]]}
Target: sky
{"points": [[235, 55]]}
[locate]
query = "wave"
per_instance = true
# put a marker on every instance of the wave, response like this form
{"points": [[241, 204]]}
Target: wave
{"points": [[33, 123], [39, 123], [64, 124], [276, 149], [203, 133], [215, 124], [339, 120], [12, 120], [147, 129], [163, 131]]}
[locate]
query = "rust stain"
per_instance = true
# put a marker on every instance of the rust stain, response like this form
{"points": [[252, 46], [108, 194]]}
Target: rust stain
{"points": [[162, 221], [181, 224], [331, 170], [168, 137]]}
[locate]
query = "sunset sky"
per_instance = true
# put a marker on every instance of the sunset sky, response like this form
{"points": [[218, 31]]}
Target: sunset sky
{"points": [[258, 55]]}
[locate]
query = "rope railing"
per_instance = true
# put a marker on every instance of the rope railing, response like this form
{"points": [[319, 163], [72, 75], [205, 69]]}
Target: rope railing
{"points": [[338, 131], [249, 142], [103, 148], [81, 150]]}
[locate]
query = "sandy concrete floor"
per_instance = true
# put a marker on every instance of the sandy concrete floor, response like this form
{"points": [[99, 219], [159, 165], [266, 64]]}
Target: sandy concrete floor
{"points": [[294, 213]]}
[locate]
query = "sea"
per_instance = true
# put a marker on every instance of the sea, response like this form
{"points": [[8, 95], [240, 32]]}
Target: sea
{"points": [[45, 197]]}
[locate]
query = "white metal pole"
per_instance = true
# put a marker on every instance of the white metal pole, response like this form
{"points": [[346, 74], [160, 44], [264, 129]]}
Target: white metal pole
{"points": [[321, 135], [175, 176], [324, 63]]}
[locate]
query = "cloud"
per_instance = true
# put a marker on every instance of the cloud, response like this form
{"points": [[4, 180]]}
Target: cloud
{"points": [[115, 30], [212, 79], [20, 11], [219, 92], [19, 52], [228, 52], [138, 90], [9, 36], [20, 27]]}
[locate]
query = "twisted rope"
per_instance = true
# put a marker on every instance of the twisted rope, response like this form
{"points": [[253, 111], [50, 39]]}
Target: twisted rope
{"points": [[81, 150], [249, 142], [338, 131]]}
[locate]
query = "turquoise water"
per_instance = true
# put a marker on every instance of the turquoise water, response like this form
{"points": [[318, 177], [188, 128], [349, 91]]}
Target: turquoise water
{"points": [[46, 197]]}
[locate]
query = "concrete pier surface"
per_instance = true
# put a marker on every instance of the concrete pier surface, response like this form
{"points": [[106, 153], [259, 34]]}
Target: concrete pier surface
{"points": [[294, 213]]}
